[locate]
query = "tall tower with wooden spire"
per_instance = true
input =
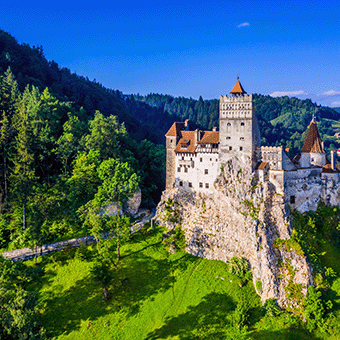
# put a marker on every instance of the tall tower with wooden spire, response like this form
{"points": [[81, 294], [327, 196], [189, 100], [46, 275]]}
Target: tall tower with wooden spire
{"points": [[239, 132], [312, 152]]}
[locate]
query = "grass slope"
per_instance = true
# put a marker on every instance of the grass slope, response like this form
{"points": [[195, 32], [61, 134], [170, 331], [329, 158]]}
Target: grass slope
{"points": [[154, 295]]}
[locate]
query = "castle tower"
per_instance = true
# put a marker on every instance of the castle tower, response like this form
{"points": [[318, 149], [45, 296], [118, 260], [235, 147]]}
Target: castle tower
{"points": [[239, 132], [312, 152], [172, 138]]}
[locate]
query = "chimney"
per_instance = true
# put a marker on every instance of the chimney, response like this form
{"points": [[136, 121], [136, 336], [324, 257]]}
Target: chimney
{"points": [[214, 128], [333, 157], [197, 136]]}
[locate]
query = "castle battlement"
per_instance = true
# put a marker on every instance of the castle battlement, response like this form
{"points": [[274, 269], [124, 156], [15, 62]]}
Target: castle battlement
{"points": [[238, 99]]}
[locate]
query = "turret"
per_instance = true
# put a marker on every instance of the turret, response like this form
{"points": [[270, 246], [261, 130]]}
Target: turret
{"points": [[312, 152]]}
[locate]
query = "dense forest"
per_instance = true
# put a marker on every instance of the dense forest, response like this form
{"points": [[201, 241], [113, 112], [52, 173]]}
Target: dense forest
{"points": [[282, 121]]}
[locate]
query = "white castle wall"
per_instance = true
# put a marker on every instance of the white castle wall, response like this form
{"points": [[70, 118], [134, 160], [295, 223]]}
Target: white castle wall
{"points": [[199, 169]]}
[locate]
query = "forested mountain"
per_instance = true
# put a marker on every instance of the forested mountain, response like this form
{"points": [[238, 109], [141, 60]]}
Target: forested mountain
{"points": [[56, 130]]}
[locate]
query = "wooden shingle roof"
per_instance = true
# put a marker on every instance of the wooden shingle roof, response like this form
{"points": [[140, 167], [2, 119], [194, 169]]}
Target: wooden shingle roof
{"points": [[313, 142]]}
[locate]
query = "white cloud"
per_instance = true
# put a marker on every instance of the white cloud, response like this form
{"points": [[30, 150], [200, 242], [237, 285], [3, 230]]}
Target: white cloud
{"points": [[330, 93], [288, 93], [335, 104], [244, 24]]}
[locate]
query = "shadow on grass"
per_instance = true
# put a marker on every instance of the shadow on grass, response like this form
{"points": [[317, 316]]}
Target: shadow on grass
{"points": [[207, 320], [285, 334], [135, 280]]}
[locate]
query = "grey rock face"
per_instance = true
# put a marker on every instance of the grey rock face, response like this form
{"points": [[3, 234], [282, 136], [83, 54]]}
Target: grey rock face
{"points": [[242, 218]]}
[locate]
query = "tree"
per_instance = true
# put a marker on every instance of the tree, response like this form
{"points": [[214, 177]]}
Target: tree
{"points": [[105, 135], [101, 272], [9, 95], [120, 229], [119, 182], [23, 174]]}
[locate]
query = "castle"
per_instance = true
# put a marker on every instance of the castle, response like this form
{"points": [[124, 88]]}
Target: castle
{"points": [[195, 158]]}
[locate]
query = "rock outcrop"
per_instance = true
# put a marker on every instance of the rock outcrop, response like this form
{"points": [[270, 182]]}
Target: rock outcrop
{"points": [[244, 218]]}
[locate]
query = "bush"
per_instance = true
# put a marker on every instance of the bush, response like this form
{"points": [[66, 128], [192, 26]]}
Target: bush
{"points": [[82, 253], [238, 266]]}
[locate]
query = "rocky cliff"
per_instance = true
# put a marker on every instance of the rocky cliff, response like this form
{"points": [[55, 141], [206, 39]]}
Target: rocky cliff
{"points": [[242, 218]]}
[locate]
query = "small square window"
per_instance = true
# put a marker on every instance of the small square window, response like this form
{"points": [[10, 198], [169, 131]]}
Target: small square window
{"points": [[207, 185], [206, 171]]}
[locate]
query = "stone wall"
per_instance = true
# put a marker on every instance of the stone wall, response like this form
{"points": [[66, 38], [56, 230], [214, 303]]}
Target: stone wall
{"points": [[242, 218]]}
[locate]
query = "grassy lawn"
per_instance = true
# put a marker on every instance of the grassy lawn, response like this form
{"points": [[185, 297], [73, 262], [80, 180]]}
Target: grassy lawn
{"points": [[154, 295]]}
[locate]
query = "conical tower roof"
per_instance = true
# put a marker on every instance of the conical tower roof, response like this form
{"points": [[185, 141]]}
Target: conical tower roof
{"points": [[313, 142], [238, 89]]}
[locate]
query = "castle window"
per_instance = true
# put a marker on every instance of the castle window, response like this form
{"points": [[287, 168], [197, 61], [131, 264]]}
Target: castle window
{"points": [[241, 138], [227, 138], [230, 148], [178, 169], [190, 185], [292, 199], [185, 169], [201, 159], [241, 148], [180, 183], [206, 171], [170, 140], [201, 185], [242, 124], [228, 127], [210, 159], [207, 185], [182, 158]]}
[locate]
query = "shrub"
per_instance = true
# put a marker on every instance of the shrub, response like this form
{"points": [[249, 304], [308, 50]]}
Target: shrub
{"points": [[238, 266]]}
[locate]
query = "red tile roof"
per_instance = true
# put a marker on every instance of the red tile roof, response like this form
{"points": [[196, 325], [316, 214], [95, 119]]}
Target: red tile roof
{"points": [[238, 89], [210, 137], [187, 137], [313, 141], [175, 128], [328, 169]]}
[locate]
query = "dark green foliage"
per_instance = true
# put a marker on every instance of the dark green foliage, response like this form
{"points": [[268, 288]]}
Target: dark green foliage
{"points": [[315, 309], [271, 308], [19, 308]]}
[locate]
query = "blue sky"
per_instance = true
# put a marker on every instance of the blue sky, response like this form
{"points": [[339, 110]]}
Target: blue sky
{"points": [[190, 48]]}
